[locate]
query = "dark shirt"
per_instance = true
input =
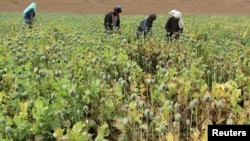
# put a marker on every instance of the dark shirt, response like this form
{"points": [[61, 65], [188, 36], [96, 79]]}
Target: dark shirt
{"points": [[145, 25], [173, 26], [108, 21], [30, 15]]}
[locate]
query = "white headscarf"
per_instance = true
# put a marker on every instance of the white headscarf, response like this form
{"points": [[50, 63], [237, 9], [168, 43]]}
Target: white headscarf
{"points": [[31, 6], [178, 15]]}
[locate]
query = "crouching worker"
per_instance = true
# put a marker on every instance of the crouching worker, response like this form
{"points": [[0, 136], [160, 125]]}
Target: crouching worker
{"points": [[112, 20], [174, 25], [29, 14], [145, 25]]}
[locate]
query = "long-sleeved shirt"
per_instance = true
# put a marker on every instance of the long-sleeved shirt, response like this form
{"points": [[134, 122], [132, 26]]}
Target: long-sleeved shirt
{"points": [[111, 20], [145, 25], [29, 15], [172, 26]]}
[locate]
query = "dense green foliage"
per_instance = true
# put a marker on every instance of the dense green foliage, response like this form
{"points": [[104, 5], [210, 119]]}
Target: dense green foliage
{"points": [[65, 79]]}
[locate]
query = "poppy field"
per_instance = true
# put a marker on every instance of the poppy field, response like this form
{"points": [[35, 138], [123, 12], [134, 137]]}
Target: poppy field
{"points": [[67, 80]]}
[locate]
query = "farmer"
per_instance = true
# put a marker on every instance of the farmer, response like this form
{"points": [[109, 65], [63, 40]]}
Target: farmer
{"points": [[145, 25], [29, 14], [112, 20], [174, 25]]}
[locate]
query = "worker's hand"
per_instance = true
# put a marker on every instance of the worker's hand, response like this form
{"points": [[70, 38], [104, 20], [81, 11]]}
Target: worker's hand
{"points": [[176, 33]]}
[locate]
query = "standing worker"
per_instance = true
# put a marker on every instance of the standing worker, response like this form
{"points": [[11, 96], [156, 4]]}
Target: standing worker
{"points": [[112, 19], [29, 14], [145, 25], [174, 25]]}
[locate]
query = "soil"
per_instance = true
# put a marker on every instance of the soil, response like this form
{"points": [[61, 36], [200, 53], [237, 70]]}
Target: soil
{"points": [[133, 7]]}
